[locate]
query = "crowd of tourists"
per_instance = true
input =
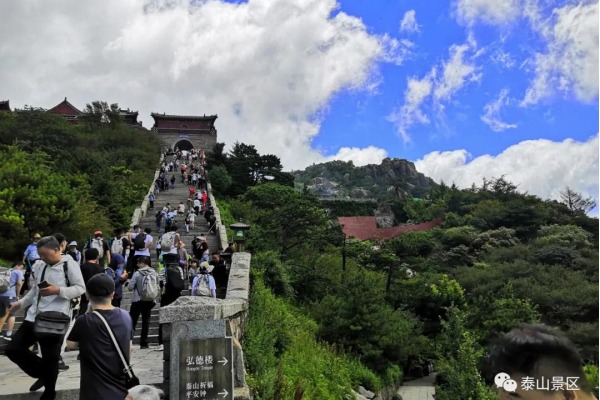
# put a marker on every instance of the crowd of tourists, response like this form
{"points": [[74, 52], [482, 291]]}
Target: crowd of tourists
{"points": [[71, 296]]}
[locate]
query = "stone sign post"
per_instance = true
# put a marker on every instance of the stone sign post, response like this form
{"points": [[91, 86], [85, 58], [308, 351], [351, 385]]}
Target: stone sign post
{"points": [[206, 369]]}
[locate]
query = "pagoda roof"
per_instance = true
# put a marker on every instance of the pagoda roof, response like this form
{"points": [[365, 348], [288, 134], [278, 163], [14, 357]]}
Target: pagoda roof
{"points": [[158, 116], [4, 105], [63, 107], [127, 112]]}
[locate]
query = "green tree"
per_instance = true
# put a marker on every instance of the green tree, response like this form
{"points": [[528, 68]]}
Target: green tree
{"points": [[219, 179], [458, 357], [576, 202], [287, 218], [216, 156], [99, 113], [35, 197], [357, 316]]}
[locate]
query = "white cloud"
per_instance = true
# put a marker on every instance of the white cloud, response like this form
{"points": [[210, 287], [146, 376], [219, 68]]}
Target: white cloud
{"points": [[438, 87], [491, 114], [490, 11], [360, 157], [409, 22], [456, 73], [504, 59], [266, 67], [570, 64], [567, 163], [395, 51], [417, 91]]}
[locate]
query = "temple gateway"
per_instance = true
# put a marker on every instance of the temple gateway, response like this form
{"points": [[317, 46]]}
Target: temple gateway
{"points": [[185, 132]]}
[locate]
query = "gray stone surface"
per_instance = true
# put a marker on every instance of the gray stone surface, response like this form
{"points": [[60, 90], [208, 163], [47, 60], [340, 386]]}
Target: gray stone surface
{"points": [[418, 389], [239, 372], [358, 396], [367, 393], [186, 330], [14, 383], [238, 286], [191, 308]]}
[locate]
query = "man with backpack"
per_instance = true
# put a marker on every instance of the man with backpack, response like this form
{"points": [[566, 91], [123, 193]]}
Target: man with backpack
{"points": [[145, 288], [204, 283], [141, 244], [120, 244], [58, 279], [11, 282], [100, 244], [173, 285], [168, 245]]}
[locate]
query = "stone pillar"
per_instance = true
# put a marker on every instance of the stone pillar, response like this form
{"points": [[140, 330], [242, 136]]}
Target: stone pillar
{"points": [[190, 318]]}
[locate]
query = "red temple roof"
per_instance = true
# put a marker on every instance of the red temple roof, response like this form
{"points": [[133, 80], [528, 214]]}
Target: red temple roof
{"points": [[364, 228], [66, 109]]}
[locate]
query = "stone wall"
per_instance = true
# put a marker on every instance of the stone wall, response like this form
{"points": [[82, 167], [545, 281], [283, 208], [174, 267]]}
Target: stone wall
{"points": [[140, 211], [204, 141], [221, 230]]}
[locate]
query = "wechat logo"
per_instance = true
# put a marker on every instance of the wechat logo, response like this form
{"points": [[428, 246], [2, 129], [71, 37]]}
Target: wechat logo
{"points": [[503, 380]]}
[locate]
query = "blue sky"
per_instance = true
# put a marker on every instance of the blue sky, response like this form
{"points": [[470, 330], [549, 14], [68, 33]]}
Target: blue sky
{"points": [[466, 89], [361, 119]]}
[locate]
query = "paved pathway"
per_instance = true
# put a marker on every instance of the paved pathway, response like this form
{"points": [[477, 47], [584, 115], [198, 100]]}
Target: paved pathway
{"points": [[147, 364], [418, 389]]}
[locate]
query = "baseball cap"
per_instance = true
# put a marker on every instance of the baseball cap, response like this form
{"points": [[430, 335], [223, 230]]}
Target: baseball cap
{"points": [[100, 285]]}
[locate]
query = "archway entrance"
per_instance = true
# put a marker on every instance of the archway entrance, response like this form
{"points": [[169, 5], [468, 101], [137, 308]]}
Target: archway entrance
{"points": [[183, 145]]}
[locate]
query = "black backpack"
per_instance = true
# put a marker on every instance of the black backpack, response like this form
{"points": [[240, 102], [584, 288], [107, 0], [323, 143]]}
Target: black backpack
{"points": [[139, 243], [173, 278]]}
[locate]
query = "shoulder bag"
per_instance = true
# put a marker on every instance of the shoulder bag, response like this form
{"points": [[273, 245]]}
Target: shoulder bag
{"points": [[50, 324], [130, 379]]}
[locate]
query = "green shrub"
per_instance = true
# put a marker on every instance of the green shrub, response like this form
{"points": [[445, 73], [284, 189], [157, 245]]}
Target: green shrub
{"points": [[591, 375]]}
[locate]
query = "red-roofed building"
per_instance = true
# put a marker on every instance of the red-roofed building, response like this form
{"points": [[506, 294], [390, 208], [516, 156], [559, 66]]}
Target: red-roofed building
{"points": [[67, 110], [365, 228]]}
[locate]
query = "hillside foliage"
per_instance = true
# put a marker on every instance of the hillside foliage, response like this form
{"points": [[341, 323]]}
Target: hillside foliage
{"points": [[500, 258], [73, 179]]}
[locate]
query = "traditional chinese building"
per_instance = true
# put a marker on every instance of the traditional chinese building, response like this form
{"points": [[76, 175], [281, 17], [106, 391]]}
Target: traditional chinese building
{"points": [[67, 110], [130, 117], [184, 132], [5, 106]]}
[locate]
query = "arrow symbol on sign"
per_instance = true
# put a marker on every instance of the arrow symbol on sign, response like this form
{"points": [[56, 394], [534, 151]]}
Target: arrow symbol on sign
{"points": [[224, 393], [223, 361]]}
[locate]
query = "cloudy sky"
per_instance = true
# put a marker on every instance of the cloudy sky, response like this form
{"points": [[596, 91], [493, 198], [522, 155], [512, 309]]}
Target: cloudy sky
{"points": [[464, 88]]}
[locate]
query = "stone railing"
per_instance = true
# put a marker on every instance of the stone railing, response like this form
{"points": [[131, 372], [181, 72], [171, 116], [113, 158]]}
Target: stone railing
{"points": [[140, 211], [193, 317], [221, 230]]}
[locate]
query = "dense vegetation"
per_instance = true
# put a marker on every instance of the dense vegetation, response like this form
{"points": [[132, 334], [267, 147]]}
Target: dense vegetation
{"points": [[500, 258], [60, 177]]}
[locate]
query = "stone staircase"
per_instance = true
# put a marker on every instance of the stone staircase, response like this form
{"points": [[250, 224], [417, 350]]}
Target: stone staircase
{"points": [[173, 197]]}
